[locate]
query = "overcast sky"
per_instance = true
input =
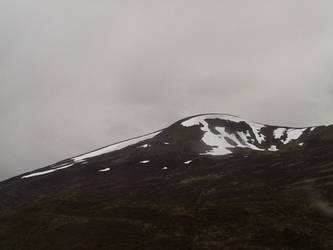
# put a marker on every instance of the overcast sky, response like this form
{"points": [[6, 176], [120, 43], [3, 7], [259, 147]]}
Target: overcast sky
{"points": [[76, 75]]}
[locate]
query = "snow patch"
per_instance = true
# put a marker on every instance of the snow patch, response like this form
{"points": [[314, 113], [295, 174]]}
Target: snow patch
{"points": [[279, 132], [256, 130], [145, 146], [47, 171], [198, 119], [104, 170], [61, 165], [188, 162], [273, 148], [113, 147], [38, 173], [144, 162], [222, 146], [294, 134], [222, 143], [165, 168]]}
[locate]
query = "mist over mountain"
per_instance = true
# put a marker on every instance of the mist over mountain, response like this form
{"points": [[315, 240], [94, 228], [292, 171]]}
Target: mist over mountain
{"points": [[75, 75]]}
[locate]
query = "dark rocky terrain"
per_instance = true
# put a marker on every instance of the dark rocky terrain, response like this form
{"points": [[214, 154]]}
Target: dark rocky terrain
{"points": [[206, 182]]}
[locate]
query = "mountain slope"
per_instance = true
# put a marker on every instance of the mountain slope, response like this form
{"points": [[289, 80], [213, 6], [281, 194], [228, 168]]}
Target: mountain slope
{"points": [[210, 181], [209, 134]]}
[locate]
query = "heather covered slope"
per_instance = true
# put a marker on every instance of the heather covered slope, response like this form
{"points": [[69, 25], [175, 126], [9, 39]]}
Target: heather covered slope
{"points": [[181, 188]]}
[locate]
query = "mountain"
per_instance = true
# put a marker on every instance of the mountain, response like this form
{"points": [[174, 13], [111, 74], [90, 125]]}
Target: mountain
{"points": [[210, 181]]}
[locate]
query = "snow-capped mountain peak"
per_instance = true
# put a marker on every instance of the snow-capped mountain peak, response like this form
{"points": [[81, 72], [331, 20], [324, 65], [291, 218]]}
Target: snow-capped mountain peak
{"points": [[206, 134]]}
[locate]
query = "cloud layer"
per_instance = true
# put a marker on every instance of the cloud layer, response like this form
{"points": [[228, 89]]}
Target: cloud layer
{"points": [[76, 75]]}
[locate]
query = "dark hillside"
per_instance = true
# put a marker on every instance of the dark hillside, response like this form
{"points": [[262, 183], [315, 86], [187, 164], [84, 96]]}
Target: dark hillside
{"points": [[164, 193]]}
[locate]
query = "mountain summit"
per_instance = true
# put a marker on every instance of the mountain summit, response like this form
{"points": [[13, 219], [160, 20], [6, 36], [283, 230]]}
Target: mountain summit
{"points": [[207, 134], [211, 181]]}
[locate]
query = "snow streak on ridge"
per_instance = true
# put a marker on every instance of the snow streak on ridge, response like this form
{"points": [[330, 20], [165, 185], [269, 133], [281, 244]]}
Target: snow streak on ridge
{"points": [[113, 147]]}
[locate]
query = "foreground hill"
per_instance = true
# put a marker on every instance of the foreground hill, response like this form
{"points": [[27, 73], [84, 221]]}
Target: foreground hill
{"points": [[211, 181]]}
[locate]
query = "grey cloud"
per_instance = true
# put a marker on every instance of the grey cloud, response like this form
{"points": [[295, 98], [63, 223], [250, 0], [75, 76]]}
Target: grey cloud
{"points": [[76, 75]]}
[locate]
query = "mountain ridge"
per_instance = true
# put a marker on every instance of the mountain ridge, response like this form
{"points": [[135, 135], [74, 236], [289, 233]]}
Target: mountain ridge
{"points": [[222, 116]]}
